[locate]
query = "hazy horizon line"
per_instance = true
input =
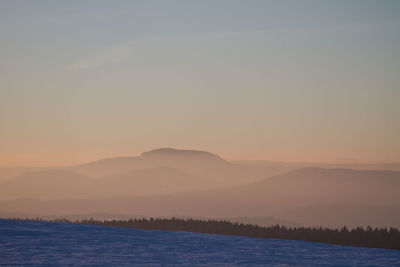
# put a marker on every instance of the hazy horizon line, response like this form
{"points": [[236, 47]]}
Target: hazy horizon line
{"points": [[230, 159]]}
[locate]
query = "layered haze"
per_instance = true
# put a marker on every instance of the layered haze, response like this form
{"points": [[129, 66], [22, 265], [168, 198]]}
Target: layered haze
{"points": [[158, 171], [171, 182]]}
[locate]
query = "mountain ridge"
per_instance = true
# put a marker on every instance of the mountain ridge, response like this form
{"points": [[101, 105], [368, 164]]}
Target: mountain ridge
{"points": [[288, 198]]}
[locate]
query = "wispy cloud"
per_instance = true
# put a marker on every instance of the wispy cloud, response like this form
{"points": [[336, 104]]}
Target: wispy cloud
{"points": [[107, 55], [127, 50]]}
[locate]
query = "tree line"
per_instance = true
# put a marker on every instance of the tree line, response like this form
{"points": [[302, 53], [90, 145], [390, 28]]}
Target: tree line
{"points": [[361, 237]]}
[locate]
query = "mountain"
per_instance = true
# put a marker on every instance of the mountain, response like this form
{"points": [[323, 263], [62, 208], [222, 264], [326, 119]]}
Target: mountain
{"points": [[329, 186], [158, 180], [170, 154], [162, 157], [48, 184], [307, 196], [6, 173], [208, 166], [393, 166], [159, 171], [205, 166], [201, 164]]}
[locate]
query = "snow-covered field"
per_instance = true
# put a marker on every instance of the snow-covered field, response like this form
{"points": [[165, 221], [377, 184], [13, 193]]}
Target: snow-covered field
{"points": [[43, 243]]}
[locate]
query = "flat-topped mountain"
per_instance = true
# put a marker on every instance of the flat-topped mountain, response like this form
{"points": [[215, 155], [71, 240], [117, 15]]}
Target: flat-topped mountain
{"points": [[171, 153], [159, 171], [198, 163], [201, 164], [187, 160]]}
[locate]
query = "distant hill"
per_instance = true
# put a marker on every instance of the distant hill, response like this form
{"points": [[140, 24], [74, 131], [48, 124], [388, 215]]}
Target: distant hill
{"points": [[171, 154], [199, 163], [162, 157], [393, 166], [307, 196], [57, 183], [48, 184], [204, 165], [329, 186], [165, 182], [158, 180], [160, 171], [6, 173]]}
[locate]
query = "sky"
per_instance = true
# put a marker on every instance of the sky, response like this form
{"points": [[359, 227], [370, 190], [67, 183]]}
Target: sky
{"points": [[274, 80]]}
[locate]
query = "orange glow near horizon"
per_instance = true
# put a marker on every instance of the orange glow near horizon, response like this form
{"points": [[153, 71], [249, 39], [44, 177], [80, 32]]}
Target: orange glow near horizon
{"points": [[266, 84], [43, 160]]}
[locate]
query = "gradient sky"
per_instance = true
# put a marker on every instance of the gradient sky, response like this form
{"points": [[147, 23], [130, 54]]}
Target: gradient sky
{"points": [[278, 80]]}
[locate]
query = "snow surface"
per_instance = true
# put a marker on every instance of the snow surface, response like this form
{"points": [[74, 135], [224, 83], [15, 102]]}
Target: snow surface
{"points": [[44, 243]]}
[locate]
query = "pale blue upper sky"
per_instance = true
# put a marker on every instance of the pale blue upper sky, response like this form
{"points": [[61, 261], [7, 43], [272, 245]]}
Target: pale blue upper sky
{"points": [[283, 80]]}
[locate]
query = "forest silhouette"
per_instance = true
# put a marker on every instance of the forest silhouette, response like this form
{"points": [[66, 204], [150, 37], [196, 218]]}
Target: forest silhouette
{"points": [[361, 237]]}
